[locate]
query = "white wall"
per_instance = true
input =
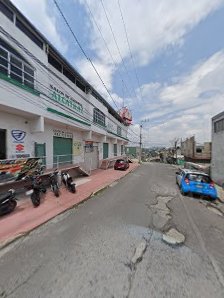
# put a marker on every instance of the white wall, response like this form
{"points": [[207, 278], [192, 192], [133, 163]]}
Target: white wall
{"points": [[217, 162]]}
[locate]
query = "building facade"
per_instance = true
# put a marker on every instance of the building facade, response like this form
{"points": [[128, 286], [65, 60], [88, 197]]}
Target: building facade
{"points": [[195, 152], [47, 109], [217, 163]]}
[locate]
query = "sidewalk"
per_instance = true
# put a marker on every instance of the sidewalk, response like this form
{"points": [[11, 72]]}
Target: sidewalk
{"points": [[26, 218]]}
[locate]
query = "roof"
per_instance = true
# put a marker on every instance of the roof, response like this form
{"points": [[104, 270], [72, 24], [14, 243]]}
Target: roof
{"points": [[64, 60], [218, 116]]}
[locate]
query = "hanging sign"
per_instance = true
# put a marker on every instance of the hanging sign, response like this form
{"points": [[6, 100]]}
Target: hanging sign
{"points": [[77, 148]]}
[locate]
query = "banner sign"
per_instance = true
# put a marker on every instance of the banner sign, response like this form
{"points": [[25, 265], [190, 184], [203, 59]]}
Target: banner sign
{"points": [[15, 169], [65, 100], [77, 148]]}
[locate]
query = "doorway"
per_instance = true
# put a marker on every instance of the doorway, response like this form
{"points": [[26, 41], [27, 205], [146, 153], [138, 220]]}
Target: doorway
{"points": [[2, 143], [40, 151], [62, 149], [105, 150]]}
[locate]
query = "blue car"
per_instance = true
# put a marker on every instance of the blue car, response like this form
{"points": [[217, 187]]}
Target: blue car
{"points": [[196, 182]]}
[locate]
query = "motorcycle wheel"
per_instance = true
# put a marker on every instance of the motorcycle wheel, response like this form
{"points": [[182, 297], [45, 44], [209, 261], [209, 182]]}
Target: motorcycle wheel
{"points": [[35, 198], [72, 188], [11, 206], [56, 191]]}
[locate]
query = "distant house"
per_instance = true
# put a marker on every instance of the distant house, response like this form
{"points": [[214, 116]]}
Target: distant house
{"points": [[193, 152], [217, 163]]}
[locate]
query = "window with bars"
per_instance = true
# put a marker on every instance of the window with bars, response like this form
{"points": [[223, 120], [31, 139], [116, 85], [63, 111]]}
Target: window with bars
{"points": [[15, 68], [219, 126], [119, 130], [98, 117]]}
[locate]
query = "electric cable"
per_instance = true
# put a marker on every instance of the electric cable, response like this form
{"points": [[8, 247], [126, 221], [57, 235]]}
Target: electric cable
{"points": [[84, 53]]}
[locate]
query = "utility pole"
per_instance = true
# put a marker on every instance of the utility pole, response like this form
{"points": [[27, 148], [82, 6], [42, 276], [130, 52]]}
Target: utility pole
{"points": [[140, 143]]}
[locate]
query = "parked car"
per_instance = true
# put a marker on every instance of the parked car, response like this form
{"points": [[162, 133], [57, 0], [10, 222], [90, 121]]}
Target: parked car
{"points": [[196, 182], [121, 164]]}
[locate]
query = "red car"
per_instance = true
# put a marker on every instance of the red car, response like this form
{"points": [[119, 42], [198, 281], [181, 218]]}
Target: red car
{"points": [[121, 164]]}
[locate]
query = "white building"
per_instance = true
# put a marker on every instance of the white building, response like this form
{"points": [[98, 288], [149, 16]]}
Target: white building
{"points": [[217, 163], [46, 107]]}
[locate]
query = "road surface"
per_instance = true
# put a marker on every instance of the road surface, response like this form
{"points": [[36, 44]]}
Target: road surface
{"points": [[112, 246]]}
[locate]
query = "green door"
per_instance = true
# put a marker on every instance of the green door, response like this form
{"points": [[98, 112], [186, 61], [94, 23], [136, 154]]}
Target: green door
{"points": [[62, 150], [40, 151], [115, 149], [105, 150]]}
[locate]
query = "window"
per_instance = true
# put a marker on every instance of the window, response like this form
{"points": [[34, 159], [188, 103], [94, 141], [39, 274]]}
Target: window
{"points": [[119, 130], [80, 86], [199, 150], [28, 33], [115, 149], [54, 62], [94, 94], [98, 117], [6, 11], [69, 75], [219, 126], [3, 61], [15, 68], [122, 149]]}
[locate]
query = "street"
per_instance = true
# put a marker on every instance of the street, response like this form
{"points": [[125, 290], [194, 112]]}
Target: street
{"points": [[92, 250]]}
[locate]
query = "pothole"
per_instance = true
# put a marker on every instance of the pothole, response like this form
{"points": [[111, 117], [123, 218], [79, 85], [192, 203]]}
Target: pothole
{"points": [[173, 237], [161, 214]]}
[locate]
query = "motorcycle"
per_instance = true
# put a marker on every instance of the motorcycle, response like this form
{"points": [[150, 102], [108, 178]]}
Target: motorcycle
{"points": [[35, 189], [68, 181], [7, 202], [54, 183]]}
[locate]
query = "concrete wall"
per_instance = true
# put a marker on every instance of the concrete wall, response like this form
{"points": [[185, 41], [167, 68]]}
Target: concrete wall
{"points": [[217, 162], [189, 150]]}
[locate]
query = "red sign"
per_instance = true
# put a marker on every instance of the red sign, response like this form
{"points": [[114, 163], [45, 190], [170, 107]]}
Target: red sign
{"points": [[19, 147], [126, 115]]}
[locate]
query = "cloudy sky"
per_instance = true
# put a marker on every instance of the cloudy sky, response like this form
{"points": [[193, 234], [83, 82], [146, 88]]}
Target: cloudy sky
{"points": [[163, 59]]}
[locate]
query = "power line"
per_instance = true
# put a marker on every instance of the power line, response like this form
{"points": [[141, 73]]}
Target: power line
{"points": [[133, 62], [46, 70], [105, 43], [111, 29], [84, 53]]}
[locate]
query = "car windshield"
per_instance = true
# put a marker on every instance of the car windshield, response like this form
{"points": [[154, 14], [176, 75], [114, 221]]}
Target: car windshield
{"points": [[199, 178], [121, 161]]}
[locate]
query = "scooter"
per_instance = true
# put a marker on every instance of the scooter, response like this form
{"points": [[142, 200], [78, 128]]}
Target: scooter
{"points": [[7, 202], [35, 189], [68, 181], [54, 183]]}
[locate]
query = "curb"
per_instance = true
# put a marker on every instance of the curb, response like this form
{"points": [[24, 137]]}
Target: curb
{"points": [[23, 234]]}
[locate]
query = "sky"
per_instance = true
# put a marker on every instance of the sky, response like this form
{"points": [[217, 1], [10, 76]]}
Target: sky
{"points": [[164, 59]]}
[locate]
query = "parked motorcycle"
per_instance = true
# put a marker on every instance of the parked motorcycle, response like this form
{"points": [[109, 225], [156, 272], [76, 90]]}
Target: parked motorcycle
{"points": [[54, 183], [7, 202], [68, 181], [35, 189]]}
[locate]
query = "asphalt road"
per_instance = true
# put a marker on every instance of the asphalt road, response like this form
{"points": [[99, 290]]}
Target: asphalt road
{"points": [[90, 251]]}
